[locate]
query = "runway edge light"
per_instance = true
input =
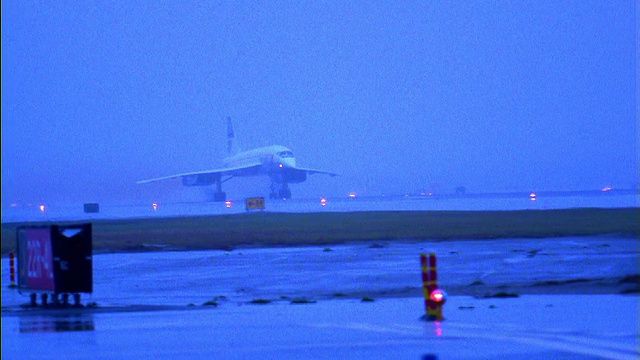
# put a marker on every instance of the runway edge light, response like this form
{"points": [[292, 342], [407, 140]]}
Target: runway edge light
{"points": [[434, 298]]}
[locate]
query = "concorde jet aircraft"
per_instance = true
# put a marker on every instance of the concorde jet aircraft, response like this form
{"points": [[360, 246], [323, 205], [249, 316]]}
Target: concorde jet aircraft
{"points": [[275, 161]]}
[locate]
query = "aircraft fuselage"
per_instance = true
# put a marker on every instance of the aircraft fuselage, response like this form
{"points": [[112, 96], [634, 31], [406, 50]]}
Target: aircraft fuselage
{"points": [[276, 161]]}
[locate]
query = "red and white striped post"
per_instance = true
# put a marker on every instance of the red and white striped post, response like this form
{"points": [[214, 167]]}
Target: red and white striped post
{"points": [[434, 298]]}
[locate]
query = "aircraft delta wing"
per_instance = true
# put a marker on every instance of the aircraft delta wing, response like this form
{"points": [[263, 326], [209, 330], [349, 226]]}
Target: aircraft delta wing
{"points": [[315, 171], [208, 177]]}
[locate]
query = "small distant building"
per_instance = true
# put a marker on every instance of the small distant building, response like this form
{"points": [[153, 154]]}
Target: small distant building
{"points": [[91, 208]]}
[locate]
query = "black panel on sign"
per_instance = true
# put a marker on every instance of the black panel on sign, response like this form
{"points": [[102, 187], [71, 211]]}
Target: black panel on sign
{"points": [[72, 258]]}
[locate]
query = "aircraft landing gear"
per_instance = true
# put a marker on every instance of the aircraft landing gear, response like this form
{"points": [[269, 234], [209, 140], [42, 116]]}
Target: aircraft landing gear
{"points": [[283, 193], [219, 196]]}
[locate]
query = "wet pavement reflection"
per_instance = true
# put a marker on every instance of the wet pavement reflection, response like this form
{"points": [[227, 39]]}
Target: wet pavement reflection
{"points": [[58, 323]]}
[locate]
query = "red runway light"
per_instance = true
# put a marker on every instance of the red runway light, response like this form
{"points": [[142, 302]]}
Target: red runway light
{"points": [[438, 295]]}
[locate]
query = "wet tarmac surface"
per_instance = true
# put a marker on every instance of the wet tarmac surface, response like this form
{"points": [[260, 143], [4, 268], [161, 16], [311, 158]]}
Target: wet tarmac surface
{"points": [[536, 326], [153, 304]]}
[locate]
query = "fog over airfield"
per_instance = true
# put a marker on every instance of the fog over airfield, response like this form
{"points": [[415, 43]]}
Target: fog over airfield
{"points": [[395, 97]]}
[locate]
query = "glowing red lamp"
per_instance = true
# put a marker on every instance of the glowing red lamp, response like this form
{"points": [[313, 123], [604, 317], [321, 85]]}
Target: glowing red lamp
{"points": [[439, 296]]}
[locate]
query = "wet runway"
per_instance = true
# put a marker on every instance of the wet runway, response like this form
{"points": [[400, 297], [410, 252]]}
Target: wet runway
{"points": [[153, 304], [560, 326]]}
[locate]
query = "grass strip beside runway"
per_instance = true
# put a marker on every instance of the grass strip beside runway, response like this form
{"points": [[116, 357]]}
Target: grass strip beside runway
{"points": [[265, 229]]}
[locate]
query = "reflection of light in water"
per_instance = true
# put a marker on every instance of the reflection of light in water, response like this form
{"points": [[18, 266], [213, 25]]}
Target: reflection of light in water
{"points": [[437, 327]]}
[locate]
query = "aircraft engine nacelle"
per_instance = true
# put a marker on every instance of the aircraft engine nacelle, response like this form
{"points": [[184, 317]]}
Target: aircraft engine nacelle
{"points": [[199, 180], [294, 176], [288, 176]]}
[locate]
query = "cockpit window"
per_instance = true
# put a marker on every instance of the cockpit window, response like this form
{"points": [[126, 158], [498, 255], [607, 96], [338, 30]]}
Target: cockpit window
{"points": [[285, 154]]}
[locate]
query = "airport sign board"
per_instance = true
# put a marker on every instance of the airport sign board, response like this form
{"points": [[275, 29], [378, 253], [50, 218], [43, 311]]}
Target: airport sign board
{"points": [[256, 203], [55, 258]]}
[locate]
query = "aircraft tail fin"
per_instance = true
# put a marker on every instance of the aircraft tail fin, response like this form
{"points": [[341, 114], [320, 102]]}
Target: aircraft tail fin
{"points": [[232, 149]]}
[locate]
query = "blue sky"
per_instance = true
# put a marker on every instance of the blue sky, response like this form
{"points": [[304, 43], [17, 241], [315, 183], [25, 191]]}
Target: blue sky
{"points": [[395, 97]]}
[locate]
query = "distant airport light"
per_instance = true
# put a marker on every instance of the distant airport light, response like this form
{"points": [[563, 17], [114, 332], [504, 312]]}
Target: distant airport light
{"points": [[228, 204], [280, 165], [606, 188], [352, 195], [323, 201], [532, 196], [42, 208], [155, 206]]}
